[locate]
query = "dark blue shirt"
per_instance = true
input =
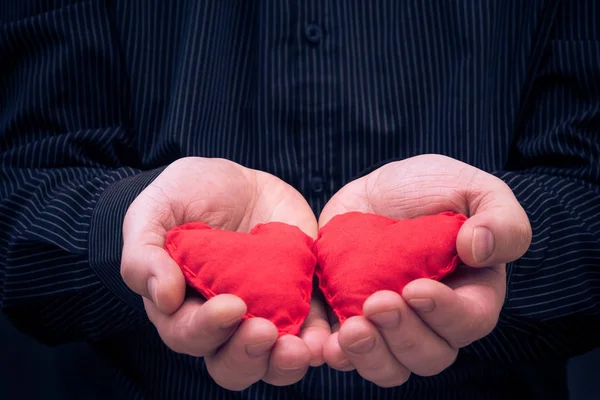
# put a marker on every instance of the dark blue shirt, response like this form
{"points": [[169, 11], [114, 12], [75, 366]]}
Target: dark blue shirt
{"points": [[96, 97]]}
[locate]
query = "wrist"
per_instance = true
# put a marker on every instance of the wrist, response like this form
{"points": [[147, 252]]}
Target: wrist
{"points": [[106, 231]]}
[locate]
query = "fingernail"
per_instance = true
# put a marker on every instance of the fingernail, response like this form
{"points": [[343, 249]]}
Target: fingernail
{"points": [[483, 244], [386, 319], [290, 369], [362, 345], [231, 323], [260, 349], [344, 364], [422, 305], [153, 290]]}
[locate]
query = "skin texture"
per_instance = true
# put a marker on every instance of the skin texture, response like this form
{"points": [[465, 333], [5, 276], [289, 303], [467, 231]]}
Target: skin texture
{"points": [[418, 331], [224, 195], [421, 330]]}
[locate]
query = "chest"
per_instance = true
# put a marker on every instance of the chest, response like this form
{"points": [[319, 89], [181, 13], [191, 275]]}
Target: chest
{"points": [[331, 87]]}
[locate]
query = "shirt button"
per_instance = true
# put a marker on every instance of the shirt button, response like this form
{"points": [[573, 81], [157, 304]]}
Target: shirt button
{"points": [[313, 33], [316, 184]]}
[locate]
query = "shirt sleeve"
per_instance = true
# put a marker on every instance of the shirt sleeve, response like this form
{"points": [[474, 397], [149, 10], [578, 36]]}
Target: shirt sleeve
{"points": [[67, 173], [552, 309]]}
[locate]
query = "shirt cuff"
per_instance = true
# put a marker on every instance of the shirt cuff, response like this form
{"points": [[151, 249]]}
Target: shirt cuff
{"points": [[106, 233]]}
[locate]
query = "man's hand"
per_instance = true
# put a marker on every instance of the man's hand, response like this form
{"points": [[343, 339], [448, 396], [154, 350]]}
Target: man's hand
{"points": [[421, 330], [228, 196]]}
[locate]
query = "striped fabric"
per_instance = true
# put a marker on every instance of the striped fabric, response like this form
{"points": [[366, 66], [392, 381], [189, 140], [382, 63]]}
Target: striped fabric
{"points": [[96, 97]]}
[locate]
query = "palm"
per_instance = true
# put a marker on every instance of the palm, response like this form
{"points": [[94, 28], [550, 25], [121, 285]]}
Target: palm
{"points": [[417, 186], [435, 319], [228, 196], [423, 185]]}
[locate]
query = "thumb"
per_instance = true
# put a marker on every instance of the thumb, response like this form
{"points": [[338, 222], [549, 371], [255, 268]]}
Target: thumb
{"points": [[498, 232], [152, 273], [146, 267]]}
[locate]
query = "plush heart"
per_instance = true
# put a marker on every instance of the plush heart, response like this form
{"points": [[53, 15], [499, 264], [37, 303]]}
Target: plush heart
{"points": [[359, 254], [270, 268]]}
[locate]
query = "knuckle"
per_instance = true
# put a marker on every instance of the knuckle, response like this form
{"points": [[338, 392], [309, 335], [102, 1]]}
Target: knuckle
{"points": [[184, 331], [443, 322], [230, 363], [174, 341], [181, 338], [233, 364], [403, 346], [375, 365], [171, 342], [380, 370]]}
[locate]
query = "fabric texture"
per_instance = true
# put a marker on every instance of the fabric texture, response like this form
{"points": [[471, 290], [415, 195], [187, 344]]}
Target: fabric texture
{"points": [[270, 268], [359, 254]]}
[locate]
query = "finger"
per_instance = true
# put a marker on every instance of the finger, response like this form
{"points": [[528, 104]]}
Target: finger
{"points": [[464, 315], [243, 360], [367, 351], [316, 330], [198, 327], [497, 232], [334, 356], [150, 272], [146, 267], [333, 319], [289, 361], [335, 325], [412, 342]]}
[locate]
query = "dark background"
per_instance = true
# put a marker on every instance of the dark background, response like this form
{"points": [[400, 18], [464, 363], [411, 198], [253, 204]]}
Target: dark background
{"points": [[31, 371]]}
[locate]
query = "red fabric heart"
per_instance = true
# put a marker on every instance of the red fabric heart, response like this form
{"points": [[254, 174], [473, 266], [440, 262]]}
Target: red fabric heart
{"points": [[270, 268], [359, 254]]}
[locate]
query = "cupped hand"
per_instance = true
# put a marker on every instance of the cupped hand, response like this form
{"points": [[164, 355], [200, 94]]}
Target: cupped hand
{"points": [[421, 330], [228, 196]]}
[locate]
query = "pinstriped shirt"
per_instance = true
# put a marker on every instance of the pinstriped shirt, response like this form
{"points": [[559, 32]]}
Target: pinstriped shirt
{"points": [[97, 97]]}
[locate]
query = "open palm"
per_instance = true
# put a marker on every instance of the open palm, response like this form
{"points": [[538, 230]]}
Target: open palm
{"points": [[420, 330], [227, 196]]}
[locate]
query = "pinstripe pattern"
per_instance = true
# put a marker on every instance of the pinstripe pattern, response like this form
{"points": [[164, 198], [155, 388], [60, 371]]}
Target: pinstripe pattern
{"points": [[96, 97]]}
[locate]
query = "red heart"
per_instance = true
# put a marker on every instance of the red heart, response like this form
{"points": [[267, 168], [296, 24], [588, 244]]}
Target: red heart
{"points": [[270, 268], [359, 254]]}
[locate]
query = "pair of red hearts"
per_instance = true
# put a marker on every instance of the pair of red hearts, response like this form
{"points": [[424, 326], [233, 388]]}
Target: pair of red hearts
{"points": [[355, 255]]}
